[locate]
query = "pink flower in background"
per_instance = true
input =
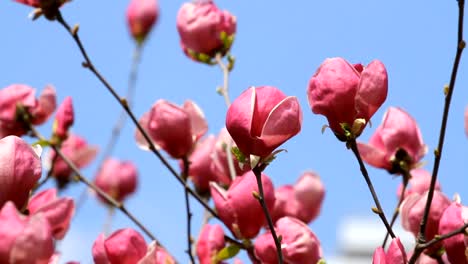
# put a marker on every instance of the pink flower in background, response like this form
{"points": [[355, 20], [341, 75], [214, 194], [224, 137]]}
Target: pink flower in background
{"points": [[299, 244], [237, 207], [64, 119], [302, 200], [419, 183], [344, 93], [454, 217], [117, 178], [20, 169], [201, 26], [174, 129], [395, 254], [398, 132], [58, 211], [22, 95], [263, 118], [124, 246], [412, 211], [156, 255], [24, 240], [141, 17], [78, 151], [209, 243]]}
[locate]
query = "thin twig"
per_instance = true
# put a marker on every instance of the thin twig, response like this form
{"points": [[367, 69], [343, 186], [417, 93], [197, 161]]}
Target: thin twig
{"points": [[261, 198], [448, 99], [352, 144], [88, 64], [185, 174]]}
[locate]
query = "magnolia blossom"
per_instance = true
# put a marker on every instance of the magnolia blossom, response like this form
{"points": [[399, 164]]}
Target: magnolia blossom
{"points": [[174, 129], [396, 144], [20, 169], [209, 243], [141, 17], [419, 182], [263, 118], [395, 254], [302, 200], [15, 95], [299, 244], [347, 95], [77, 150], [24, 240], [58, 211], [205, 30], [117, 178], [238, 208], [64, 118], [454, 217]]}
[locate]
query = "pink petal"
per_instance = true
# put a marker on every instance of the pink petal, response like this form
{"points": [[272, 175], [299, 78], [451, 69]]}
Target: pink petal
{"points": [[372, 90]]}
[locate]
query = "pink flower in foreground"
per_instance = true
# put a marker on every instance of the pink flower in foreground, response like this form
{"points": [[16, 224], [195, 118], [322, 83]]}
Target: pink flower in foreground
{"points": [[263, 118], [58, 211], [64, 119], [302, 201], [24, 240], [210, 242], [124, 246], [348, 96], [237, 207], [412, 211], [141, 17], [395, 254], [22, 95], [174, 129], [419, 183], [205, 30], [299, 244], [117, 178], [454, 217], [20, 169], [78, 151], [396, 144]]}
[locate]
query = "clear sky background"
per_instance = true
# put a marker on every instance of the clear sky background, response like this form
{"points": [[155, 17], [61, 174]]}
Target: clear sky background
{"points": [[279, 43]]}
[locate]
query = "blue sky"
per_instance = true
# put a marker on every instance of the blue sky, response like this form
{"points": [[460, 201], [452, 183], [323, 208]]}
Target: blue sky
{"points": [[279, 44]]}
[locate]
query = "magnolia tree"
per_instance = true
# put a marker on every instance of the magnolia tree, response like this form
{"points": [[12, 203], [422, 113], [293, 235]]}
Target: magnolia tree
{"points": [[226, 174]]}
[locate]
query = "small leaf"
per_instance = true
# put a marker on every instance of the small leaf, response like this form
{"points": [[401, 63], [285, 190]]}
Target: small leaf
{"points": [[238, 154], [227, 252], [42, 143]]}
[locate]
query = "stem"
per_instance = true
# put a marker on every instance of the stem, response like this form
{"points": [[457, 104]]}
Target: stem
{"points": [[261, 198], [185, 174], [396, 212], [448, 98], [89, 65], [379, 211]]}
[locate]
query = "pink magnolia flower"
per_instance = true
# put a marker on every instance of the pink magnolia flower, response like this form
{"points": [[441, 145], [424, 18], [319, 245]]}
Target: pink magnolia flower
{"points": [[299, 244], [64, 119], [345, 94], [398, 139], [174, 129], [454, 217], [302, 201], [58, 211], [210, 242], [466, 120], [141, 17], [237, 207], [78, 151], [263, 118], [204, 29], [412, 211], [419, 183], [24, 240], [156, 255], [395, 254], [124, 246], [22, 95], [20, 169], [117, 178]]}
